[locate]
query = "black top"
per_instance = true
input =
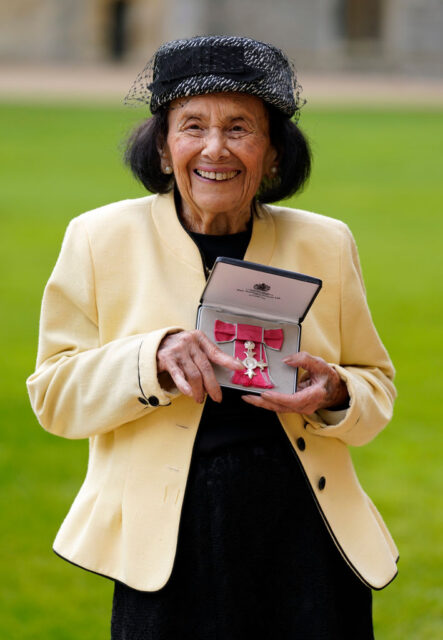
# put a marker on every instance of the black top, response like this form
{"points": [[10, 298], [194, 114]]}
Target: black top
{"points": [[254, 558], [231, 245], [219, 424]]}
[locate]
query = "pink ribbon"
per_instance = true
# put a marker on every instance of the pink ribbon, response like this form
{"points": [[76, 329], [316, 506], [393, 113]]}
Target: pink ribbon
{"points": [[242, 333]]}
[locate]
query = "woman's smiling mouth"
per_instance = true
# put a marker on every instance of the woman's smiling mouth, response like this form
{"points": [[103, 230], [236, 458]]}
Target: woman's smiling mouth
{"points": [[216, 175]]}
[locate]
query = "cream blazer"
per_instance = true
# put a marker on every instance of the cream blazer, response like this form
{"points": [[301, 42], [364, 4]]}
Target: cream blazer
{"points": [[127, 275]]}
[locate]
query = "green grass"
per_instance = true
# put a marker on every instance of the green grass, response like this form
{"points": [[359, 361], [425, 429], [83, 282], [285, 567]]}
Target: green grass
{"points": [[380, 171]]}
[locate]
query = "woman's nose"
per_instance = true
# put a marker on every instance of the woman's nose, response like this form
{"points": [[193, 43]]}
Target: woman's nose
{"points": [[215, 145]]}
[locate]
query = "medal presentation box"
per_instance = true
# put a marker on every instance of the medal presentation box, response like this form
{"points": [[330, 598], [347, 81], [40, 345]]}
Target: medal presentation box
{"points": [[254, 313]]}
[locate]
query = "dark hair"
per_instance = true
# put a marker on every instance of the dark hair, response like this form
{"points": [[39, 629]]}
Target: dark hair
{"points": [[294, 156]]}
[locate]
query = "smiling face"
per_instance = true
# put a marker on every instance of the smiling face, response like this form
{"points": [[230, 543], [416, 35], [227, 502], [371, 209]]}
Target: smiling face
{"points": [[219, 149]]}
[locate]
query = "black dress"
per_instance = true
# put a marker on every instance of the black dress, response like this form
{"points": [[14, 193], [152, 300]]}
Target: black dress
{"points": [[254, 558]]}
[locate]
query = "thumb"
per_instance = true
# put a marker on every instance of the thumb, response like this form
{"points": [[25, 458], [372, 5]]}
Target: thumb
{"points": [[299, 359]]}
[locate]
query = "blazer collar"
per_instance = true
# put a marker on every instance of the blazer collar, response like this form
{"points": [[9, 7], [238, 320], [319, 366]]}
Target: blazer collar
{"points": [[172, 234]]}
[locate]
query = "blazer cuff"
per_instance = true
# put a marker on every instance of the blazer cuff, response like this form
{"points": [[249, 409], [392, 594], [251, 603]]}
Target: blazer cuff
{"points": [[151, 393]]}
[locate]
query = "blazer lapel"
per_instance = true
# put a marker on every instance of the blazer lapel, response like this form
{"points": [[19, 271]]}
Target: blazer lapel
{"points": [[172, 234], [261, 245]]}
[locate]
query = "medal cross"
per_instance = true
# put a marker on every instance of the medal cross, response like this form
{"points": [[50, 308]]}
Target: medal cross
{"points": [[250, 362]]}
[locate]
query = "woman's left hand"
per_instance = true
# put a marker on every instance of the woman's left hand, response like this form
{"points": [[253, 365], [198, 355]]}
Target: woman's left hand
{"points": [[320, 388]]}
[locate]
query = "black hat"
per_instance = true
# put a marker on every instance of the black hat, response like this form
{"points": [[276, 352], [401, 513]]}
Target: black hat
{"points": [[216, 64]]}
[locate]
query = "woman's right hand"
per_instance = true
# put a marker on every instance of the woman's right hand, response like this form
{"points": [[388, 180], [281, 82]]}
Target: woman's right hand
{"points": [[187, 357]]}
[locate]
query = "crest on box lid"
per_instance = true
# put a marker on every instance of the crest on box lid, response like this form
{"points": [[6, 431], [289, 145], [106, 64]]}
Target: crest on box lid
{"points": [[262, 286], [265, 292]]}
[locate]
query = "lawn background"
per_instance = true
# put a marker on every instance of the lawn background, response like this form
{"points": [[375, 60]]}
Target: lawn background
{"points": [[380, 171]]}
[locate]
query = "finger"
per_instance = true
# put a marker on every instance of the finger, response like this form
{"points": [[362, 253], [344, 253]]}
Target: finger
{"points": [[210, 384], [305, 360], [179, 379], [193, 377], [313, 393], [280, 398], [217, 356], [259, 401], [304, 401]]}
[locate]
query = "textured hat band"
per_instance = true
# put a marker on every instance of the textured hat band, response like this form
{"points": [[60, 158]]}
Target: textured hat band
{"points": [[210, 59]]}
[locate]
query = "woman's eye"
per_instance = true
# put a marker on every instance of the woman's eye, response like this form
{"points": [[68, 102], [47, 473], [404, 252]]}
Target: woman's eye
{"points": [[238, 130], [193, 127]]}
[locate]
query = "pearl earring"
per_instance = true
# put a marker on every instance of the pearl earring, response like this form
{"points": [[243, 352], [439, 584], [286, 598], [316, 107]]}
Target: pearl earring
{"points": [[168, 170], [274, 170]]}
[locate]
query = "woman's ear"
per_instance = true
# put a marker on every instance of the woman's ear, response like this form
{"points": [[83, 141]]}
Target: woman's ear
{"points": [[271, 163], [165, 159]]}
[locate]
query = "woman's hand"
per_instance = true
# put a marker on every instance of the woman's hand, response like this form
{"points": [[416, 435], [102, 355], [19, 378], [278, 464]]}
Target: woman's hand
{"points": [[320, 388], [187, 357]]}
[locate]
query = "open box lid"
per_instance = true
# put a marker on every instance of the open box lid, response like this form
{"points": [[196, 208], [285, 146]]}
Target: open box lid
{"points": [[255, 289]]}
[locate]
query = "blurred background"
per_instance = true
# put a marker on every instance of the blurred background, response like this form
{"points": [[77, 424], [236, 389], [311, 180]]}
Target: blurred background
{"points": [[89, 46], [383, 35], [372, 73]]}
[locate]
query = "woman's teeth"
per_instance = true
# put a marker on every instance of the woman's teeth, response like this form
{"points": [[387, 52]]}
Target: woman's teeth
{"points": [[217, 175]]}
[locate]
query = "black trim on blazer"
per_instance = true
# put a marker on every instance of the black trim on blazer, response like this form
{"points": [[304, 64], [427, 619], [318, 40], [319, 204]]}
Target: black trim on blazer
{"points": [[145, 397], [102, 575], [329, 528], [147, 402]]}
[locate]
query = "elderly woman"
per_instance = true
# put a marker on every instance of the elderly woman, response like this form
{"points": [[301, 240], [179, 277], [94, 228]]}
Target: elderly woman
{"points": [[218, 514]]}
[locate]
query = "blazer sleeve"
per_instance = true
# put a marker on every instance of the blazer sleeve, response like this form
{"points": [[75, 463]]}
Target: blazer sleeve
{"points": [[364, 365], [81, 387]]}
